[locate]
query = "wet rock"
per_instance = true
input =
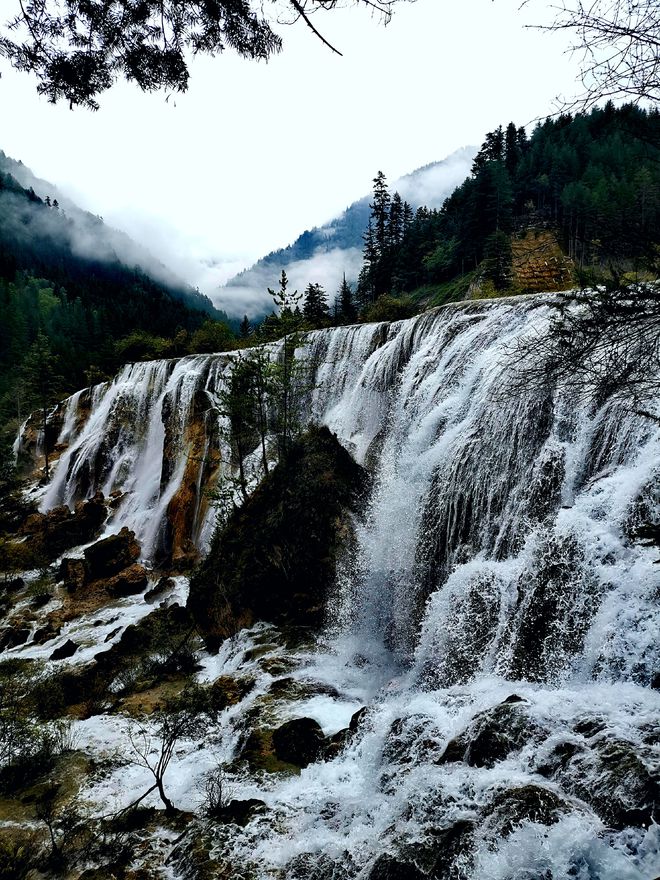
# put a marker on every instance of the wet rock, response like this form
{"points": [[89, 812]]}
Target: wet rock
{"points": [[452, 845], [655, 681], [60, 529], [337, 743], [529, 803], [163, 586], [300, 741], [357, 718], [110, 636], [590, 726], [73, 572], [13, 637], [46, 633], [492, 736], [259, 753], [558, 759], [276, 558], [612, 778], [110, 555], [128, 582], [40, 600], [228, 691], [239, 812], [411, 739], [68, 649], [13, 585], [389, 868]]}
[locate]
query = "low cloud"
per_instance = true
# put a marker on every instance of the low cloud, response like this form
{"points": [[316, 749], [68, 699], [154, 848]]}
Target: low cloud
{"points": [[251, 298]]}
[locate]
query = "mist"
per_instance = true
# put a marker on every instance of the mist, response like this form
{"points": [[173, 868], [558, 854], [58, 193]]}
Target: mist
{"points": [[335, 248]]}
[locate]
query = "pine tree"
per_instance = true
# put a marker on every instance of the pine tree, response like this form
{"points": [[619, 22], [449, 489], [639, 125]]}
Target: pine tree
{"points": [[245, 329], [315, 305], [346, 304], [43, 384]]}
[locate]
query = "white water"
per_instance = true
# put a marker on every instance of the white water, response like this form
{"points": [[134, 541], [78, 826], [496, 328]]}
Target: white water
{"points": [[496, 556]]}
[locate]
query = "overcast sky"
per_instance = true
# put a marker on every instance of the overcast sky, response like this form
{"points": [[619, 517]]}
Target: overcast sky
{"points": [[255, 153]]}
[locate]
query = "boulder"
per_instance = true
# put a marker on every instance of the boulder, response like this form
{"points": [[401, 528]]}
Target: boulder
{"points": [[449, 845], [73, 572], [529, 803], [60, 529], [128, 582], [14, 636], [45, 633], [275, 559], [389, 868], [492, 736], [300, 741], [239, 812], [68, 649], [110, 555], [163, 586], [613, 779]]}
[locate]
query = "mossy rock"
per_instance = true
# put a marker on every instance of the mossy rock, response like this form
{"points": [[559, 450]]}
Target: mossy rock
{"points": [[259, 753], [228, 691], [492, 736], [275, 560], [529, 803]]}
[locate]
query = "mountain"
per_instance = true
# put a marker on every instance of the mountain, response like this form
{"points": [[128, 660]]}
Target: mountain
{"points": [[78, 298], [75, 236], [325, 253]]}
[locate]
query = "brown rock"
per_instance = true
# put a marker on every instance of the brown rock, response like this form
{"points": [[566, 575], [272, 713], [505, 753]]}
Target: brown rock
{"points": [[14, 636], [109, 556], [60, 529], [73, 573], [128, 582]]}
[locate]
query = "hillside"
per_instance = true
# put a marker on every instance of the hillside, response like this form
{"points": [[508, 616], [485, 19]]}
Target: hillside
{"points": [[70, 289], [577, 201], [323, 254]]}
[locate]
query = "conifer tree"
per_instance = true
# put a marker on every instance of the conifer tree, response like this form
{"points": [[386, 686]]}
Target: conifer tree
{"points": [[245, 329], [315, 305], [346, 304]]}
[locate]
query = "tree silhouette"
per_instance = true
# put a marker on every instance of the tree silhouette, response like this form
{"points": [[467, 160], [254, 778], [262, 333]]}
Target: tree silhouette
{"points": [[78, 50]]}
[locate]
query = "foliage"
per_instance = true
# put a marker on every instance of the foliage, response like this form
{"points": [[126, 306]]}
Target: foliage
{"points": [[389, 308], [599, 343], [617, 43], [28, 747], [154, 739], [275, 557], [77, 50], [70, 320], [594, 178]]}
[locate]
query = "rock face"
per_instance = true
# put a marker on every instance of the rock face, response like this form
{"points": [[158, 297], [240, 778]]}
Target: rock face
{"points": [[60, 529], [276, 558], [111, 555], [492, 736], [299, 742], [109, 565]]}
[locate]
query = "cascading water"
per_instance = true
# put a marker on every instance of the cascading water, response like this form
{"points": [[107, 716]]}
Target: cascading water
{"points": [[499, 618]]}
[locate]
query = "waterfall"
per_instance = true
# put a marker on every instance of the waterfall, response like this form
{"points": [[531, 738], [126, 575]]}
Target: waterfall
{"points": [[497, 559]]}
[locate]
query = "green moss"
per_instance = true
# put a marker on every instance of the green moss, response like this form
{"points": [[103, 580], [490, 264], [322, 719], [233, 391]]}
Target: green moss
{"points": [[275, 559]]}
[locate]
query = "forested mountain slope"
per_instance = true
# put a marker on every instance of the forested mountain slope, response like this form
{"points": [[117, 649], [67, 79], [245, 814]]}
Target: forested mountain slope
{"points": [[75, 287]]}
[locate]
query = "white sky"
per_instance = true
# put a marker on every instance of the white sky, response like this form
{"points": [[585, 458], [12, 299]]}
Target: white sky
{"points": [[253, 154]]}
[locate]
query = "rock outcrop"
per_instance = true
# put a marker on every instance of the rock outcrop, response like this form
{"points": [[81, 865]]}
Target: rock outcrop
{"points": [[276, 558]]}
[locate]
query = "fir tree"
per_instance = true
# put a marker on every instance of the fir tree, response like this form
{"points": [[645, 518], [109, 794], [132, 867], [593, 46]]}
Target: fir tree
{"points": [[347, 311], [315, 305], [245, 330]]}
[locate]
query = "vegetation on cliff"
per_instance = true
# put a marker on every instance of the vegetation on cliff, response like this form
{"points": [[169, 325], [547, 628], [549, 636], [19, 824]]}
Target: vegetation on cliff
{"points": [[275, 558]]}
